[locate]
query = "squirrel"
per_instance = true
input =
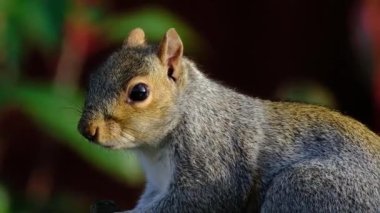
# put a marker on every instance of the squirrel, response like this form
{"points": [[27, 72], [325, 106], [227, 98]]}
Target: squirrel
{"points": [[206, 148]]}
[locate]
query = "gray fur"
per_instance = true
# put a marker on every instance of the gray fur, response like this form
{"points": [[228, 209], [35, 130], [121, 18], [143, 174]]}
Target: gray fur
{"points": [[232, 153], [228, 145]]}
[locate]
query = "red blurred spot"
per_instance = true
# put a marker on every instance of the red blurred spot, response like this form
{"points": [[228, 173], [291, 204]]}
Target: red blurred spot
{"points": [[83, 37], [371, 23]]}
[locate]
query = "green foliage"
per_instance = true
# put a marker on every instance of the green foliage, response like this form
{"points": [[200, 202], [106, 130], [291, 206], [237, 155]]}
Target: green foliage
{"points": [[4, 200], [56, 111], [38, 23]]}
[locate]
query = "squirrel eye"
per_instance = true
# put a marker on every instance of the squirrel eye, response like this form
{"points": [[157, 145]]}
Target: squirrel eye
{"points": [[139, 92]]}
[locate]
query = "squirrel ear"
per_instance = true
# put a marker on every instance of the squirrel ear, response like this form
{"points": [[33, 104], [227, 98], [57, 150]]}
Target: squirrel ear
{"points": [[170, 51], [135, 38]]}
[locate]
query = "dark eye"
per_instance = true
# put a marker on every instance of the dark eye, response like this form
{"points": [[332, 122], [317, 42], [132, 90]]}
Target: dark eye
{"points": [[139, 92]]}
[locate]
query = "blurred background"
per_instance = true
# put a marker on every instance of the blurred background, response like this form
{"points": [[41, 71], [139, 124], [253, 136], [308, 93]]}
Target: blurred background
{"points": [[318, 51]]}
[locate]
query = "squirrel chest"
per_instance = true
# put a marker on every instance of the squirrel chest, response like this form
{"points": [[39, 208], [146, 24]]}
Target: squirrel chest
{"points": [[158, 168]]}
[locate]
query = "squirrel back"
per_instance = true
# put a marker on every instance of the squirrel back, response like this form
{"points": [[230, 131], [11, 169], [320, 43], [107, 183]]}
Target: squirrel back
{"points": [[207, 148]]}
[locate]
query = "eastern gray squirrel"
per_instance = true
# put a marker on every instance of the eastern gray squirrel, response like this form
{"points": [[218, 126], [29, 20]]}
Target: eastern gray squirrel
{"points": [[207, 148]]}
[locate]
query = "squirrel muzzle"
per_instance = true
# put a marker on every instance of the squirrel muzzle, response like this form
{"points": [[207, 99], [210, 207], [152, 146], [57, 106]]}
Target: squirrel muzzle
{"points": [[88, 129]]}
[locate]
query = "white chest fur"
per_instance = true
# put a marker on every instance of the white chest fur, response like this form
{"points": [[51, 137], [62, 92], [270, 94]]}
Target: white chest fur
{"points": [[158, 168]]}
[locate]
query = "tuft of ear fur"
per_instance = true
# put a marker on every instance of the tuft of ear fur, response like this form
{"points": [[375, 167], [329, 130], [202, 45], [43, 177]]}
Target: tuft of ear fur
{"points": [[170, 52], [135, 38]]}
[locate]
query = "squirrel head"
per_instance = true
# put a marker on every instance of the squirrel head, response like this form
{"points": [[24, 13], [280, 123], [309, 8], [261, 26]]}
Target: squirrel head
{"points": [[130, 100]]}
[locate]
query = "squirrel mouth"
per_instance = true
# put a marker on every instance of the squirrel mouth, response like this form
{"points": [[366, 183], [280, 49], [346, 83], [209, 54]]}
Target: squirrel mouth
{"points": [[105, 144], [124, 142], [108, 146]]}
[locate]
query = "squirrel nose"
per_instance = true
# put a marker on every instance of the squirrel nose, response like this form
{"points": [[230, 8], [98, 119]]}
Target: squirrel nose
{"points": [[90, 131]]}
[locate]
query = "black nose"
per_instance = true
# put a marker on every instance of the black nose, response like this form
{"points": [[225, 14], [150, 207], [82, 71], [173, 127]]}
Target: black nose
{"points": [[88, 130]]}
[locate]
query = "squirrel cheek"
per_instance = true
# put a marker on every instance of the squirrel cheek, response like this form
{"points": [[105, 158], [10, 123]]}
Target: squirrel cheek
{"points": [[115, 130], [118, 131]]}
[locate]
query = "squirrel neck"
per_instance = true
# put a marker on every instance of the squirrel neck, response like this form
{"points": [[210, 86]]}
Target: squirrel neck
{"points": [[213, 122], [204, 103], [199, 93]]}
